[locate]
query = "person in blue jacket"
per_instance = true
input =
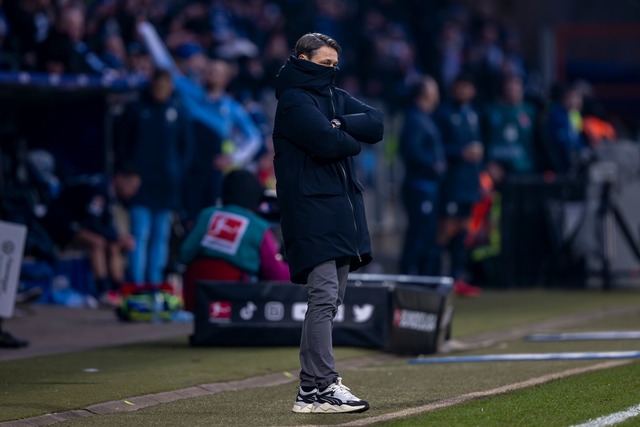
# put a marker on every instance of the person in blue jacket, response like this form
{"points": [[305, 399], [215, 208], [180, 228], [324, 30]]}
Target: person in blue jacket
{"points": [[233, 143], [225, 135], [564, 127], [156, 138], [459, 124], [318, 130], [425, 163]]}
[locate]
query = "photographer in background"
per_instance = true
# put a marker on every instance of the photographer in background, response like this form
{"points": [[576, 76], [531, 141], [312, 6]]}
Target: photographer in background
{"points": [[232, 242]]}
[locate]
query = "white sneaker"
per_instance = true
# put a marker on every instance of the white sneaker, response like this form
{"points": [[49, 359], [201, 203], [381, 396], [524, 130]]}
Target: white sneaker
{"points": [[338, 398], [304, 401]]}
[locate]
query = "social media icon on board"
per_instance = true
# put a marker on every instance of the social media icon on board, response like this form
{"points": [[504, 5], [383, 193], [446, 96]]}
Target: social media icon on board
{"points": [[362, 313], [298, 311], [246, 312], [274, 311]]}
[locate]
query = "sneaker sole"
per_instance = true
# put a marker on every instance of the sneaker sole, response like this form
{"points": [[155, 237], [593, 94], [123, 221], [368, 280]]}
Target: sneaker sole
{"points": [[328, 408], [299, 409]]}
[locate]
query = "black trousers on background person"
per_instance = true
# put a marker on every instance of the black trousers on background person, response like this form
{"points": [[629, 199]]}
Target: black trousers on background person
{"points": [[420, 254]]}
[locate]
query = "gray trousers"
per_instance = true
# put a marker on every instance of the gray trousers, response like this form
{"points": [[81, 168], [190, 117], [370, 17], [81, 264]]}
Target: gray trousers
{"points": [[326, 284]]}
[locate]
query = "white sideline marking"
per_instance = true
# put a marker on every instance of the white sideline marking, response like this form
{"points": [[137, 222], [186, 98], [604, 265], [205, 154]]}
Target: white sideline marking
{"points": [[612, 419], [486, 393], [585, 336], [582, 355]]}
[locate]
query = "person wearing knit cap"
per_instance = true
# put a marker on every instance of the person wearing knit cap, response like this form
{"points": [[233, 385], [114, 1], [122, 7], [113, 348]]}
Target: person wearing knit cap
{"points": [[232, 242]]}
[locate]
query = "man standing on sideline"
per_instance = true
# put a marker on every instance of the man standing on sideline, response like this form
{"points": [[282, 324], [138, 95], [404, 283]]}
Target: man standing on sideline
{"points": [[318, 130], [459, 124], [155, 137], [425, 164]]}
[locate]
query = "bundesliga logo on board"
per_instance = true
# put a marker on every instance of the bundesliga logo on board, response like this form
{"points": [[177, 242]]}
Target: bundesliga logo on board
{"points": [[220, 311]]}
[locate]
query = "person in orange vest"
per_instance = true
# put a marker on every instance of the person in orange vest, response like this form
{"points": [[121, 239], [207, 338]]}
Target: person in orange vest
{"points": [[597, 131]]}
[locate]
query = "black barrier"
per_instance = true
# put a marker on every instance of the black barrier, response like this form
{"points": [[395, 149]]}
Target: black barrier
{"points": [[402, 314], [69, 115], [528, 255]]}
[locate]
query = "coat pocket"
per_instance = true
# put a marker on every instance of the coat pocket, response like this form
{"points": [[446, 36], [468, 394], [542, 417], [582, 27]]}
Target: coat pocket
{"points": [[319, 179]]}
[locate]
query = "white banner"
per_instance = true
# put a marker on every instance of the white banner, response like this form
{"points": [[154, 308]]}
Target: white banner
{"points": [[12, 238]]}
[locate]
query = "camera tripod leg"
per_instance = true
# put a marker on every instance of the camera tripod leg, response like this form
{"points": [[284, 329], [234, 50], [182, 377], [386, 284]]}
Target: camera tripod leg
{"points": [[610, 216], [605, 223]]}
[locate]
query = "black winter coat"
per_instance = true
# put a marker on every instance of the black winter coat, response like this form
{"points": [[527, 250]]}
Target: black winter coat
{"points": [[421, 147], [459, 126], [319, 195]]}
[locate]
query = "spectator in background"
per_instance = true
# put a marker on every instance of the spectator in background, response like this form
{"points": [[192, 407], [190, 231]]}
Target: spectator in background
{"points": [[65, 50], [192, 61], [509, 132], [276, 48], [232, 242], [460, 126], [29, 22], [564, 128], [394, 63], [104, 33], [451, 48], [230, 140], [512, 62], [4, 31], [156, 138], [241, 137], [139, 61], [486, 59], [81, 216], [233, 141], [114, 53], [226, 135], [423, 155]]}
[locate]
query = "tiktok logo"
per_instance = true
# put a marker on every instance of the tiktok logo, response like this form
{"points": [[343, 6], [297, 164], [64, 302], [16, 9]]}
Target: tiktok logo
{"points": [[246, 312]]}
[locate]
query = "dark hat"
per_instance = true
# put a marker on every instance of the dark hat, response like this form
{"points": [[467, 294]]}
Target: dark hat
{"points": [[242, 188], [187, 50], [135, 48]]}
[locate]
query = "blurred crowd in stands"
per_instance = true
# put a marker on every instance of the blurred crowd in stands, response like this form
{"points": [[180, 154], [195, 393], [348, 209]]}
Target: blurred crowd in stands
{"points": [[209, 109]]}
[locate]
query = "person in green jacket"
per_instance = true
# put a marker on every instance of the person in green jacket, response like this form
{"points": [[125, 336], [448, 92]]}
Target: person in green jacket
{"points": [[235, 233], [509, 131]]}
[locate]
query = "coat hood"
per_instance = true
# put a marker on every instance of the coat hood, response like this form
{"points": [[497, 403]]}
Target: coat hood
{"points": [[303, 74]]}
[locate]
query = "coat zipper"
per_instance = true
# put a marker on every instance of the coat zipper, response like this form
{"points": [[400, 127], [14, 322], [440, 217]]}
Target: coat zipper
{"points": [[333, 107], [353, 211], [346, 182]]}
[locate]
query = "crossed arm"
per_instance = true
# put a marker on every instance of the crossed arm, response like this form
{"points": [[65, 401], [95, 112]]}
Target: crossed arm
{"points": [[309, 129]]}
